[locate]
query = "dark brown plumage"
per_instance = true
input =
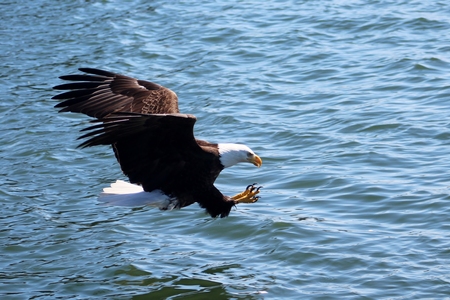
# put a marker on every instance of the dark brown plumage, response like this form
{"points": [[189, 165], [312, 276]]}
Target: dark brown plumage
{"points": [[103, 93], [153, 143]]}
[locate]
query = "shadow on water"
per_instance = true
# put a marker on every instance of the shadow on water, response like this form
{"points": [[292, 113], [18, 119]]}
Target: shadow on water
{"points": [[194, 289], [183, 287]]}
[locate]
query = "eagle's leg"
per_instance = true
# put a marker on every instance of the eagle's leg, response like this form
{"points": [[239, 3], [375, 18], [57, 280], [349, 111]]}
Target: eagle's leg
{"points": [[247, 196]]}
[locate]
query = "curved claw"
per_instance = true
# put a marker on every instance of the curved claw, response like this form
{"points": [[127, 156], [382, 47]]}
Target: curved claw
{"points": [[249, 195], [251, 186]]}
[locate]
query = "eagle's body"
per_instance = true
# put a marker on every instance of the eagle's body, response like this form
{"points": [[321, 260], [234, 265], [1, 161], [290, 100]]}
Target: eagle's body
{"points": [[153, 143]]}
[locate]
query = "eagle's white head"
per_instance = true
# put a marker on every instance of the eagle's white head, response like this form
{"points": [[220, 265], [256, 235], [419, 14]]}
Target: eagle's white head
{"points": [[231, 154]]}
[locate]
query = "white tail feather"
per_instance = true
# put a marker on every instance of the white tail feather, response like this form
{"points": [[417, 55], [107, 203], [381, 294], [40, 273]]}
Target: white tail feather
{"points": [[122, 187], [122, 193]]}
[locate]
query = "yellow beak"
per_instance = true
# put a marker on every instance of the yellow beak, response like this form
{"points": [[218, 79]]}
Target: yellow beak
{"points": [[256, 160]]}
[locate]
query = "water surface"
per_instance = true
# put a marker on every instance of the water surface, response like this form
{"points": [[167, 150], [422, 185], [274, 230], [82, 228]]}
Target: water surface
{"points": [[347, 103]]}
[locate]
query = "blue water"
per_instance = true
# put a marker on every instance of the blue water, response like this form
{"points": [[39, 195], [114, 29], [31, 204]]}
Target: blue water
{"points": [[346, 102]]}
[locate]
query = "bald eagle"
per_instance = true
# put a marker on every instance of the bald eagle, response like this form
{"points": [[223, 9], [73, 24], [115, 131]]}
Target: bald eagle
{"points": [[153, 142]]}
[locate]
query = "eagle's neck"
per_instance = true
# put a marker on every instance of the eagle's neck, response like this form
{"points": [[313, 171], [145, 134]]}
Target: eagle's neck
{"points": [[231, 154]]}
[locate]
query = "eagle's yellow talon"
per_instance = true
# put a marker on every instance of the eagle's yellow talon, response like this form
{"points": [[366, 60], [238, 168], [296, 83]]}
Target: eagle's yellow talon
{"points": [[247, 196]]}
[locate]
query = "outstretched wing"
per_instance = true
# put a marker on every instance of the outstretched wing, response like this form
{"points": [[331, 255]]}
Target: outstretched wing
{"points": [[102, 93], [157, 151]]}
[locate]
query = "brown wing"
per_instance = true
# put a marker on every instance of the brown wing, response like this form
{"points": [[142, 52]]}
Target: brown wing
{"points": [[102, 93], [154, 150]]}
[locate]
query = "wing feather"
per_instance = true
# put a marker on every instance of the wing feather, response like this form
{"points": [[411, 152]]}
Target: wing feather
{"points": [[152, 150], [100, 93]]}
